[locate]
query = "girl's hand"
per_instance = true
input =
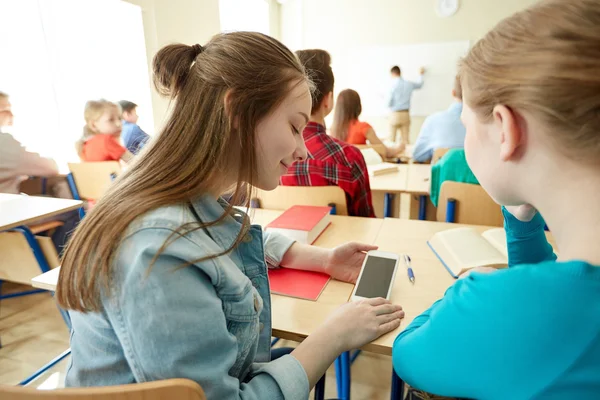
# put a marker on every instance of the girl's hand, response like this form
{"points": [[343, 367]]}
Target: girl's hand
{"points": [[524, 213], [344, 262], [360, 322]]}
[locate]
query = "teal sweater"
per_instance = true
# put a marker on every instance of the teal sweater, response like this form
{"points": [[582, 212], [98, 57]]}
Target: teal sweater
{"points": [[531, 331]]}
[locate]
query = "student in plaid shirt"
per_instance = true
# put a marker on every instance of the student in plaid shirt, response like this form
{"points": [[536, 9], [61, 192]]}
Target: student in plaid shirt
{"points": [[330, 161]]}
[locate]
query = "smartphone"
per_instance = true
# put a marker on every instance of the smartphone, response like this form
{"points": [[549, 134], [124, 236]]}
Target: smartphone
{"points": [[376, 277]]}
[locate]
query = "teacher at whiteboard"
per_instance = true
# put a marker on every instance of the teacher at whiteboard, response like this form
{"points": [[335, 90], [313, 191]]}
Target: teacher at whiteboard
{"points": [[399, 103]]}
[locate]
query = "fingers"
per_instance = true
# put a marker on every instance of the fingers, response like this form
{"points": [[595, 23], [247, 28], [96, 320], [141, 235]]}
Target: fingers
{"points": [[362, 246], [384, 319], [377, 301], [388, 327], [387, 309]]}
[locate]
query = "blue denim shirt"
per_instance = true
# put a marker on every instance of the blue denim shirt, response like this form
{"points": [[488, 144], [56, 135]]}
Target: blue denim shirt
{"points": [[209, 322], [133, 137]]}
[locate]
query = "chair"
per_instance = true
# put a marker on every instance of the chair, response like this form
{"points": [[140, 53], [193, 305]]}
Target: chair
{"points": [[180, 389], [437, 154], [466, 203], [284, 197], [89, 180]]}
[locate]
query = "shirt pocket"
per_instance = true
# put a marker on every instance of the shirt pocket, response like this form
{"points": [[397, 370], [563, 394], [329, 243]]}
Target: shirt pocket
{"points": [[242, 315]]}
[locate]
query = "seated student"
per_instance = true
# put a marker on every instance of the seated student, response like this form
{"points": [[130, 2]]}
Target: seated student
{"points": [[442, 130], [101, 133], [330, 162], [16, 163], [451, 167], [163, 279], [132, 135], [347, 128], [531, 110]]}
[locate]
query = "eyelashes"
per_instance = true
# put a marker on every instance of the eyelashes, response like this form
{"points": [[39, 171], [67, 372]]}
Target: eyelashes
{"points": [[296, 131]]}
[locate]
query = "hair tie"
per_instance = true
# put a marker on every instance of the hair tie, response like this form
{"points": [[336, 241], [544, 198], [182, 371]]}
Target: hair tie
{"points": [[197, 49]]}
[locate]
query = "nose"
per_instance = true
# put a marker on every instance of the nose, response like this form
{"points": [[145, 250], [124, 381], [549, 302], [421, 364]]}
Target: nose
{"points": [[301, 152]]}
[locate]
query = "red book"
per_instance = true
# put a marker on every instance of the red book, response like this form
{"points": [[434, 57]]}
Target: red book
{"points": [[302, 223], [295, 283]]}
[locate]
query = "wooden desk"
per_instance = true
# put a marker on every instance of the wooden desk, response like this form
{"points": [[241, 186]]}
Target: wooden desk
{"points": [[431, 278], [418, 179], [17, 210], [384, 189]]}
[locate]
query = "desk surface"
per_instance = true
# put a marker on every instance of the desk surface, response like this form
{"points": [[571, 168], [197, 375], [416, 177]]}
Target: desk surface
{"points": [[394, 182], [296, 318], [418, 179], [16, 210]]}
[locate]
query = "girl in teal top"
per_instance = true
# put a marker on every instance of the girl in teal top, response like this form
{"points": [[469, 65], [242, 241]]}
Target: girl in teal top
{"points": [[532, 114]]}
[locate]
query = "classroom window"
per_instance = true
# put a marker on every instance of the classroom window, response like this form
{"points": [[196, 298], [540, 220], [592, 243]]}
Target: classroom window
{"points": [[58, 54], [244, 15]]}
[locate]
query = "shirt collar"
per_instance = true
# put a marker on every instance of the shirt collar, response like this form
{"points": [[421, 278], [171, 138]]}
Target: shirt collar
{"points": [[313, 129]]}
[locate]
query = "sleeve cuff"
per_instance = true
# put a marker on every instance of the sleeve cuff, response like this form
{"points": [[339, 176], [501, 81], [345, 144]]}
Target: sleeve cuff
{"points": [[276, 245], [519, 228], [289, 375]]}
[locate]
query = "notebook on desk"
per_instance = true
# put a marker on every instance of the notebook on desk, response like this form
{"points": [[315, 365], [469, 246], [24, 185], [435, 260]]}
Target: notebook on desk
{"points": [[301, 223], [461, 249]]}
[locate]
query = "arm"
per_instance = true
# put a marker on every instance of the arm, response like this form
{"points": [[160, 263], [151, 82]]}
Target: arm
{"points": [[423, 151], [180, 309], [473, 341], [419, 83], [127, 156], [390, 151], [115, 150], [526, 241], [138, 138], [33, 164]]}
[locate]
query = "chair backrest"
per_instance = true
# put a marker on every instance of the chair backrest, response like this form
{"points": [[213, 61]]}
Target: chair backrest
{"points": [[180, 389], [284, 197], [92, 179], [437, 154], [473, 205]]}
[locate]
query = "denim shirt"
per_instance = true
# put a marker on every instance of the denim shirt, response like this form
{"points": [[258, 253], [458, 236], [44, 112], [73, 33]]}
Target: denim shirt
{"points": [[209, 322]]}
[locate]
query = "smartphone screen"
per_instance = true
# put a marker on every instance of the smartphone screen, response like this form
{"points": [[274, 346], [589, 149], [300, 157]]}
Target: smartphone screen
{"points": [[376, 277]]}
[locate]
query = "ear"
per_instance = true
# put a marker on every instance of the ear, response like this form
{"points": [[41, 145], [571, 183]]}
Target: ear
{"points": [[328, 101], [511, 134]]}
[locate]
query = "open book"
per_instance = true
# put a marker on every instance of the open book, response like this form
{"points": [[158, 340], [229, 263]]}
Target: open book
{"points": [[375, 164], [461, 249]]}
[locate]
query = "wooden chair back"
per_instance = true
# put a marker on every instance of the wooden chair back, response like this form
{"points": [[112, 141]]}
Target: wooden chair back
{"points": [[180, 389], [92, 179], [473, 205], [284, 197]]}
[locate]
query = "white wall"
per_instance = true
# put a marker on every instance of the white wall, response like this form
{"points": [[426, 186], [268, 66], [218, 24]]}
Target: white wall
{"points": [[334, 25], [175, 21]]}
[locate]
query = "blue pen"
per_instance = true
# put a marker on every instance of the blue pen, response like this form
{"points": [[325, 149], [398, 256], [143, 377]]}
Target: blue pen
{"points": [[411, 274]]}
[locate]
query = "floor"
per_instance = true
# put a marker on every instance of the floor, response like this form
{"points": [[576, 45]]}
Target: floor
{"points": [[33, 332]]}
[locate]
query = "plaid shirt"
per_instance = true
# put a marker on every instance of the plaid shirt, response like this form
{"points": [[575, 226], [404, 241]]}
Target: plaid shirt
{"points": [[331, 162]]}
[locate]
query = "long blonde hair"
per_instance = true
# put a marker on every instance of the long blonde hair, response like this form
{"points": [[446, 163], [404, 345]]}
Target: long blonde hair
{"points": [[94, 109], [544, 60], [198, 142]]}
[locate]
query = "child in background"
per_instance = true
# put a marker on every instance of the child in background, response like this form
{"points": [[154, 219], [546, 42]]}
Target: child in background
{"points": [[329, 161], [132, 135], [531, 109], [442, 130], [346, 126], [101, 133]]}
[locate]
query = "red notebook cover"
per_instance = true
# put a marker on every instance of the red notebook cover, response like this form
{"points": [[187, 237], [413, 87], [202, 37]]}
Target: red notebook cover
{"points": [[295, 283], [300, 218]]}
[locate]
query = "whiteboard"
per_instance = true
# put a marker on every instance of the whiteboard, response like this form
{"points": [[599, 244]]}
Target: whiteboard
{"points": [[367, 70]]}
